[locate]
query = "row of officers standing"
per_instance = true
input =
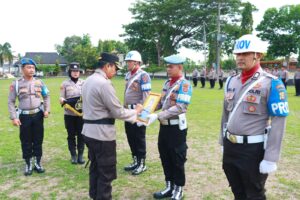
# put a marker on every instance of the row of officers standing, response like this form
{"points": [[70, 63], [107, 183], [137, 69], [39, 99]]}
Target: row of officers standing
{"points": [[211, 75], [94, 127], [254, 101]]}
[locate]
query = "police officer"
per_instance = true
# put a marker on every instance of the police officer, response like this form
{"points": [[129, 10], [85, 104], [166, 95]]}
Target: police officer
{"points": [[30, 114], [195, 75], [203, 77], [176, 96], [297, 81], [70, 93], [284, 75], [221, 77], [100, 108], [212, 78], [253, 99], [137, 88], [276, 72]]}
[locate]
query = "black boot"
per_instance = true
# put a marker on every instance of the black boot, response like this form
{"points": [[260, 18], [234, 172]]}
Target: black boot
{"points": [[167, 192], [74, 159], [177, 193], [28, 167], [132, 165], [141, 167], [80, 159], [37, 165]]}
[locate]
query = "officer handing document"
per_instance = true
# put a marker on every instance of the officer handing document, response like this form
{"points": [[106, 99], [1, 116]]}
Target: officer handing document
{"points": [[30, 115], [101, 107], [252, 100]]}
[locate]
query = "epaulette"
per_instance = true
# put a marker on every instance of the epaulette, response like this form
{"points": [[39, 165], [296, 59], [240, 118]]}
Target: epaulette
{"points": [[270, 75]]}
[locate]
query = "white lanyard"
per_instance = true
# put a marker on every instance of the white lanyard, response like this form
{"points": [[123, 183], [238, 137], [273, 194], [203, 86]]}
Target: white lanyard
{"points": [[132, 80], [170, 92], [241, 98]]}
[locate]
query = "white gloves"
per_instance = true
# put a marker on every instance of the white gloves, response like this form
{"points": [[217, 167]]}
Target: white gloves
{"points": [[266, 167], [152, 117], [139, 124]]}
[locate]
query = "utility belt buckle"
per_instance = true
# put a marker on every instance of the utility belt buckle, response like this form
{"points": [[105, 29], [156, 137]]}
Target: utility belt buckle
{"points": [[232, 138], [30, 112]]}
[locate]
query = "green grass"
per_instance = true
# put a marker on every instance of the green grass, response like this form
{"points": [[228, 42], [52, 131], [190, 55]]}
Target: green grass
{"points": [[204, 175]]}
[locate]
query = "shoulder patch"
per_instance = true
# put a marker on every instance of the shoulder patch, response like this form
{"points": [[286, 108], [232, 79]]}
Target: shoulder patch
{"points": [[278, 103], [184, 92]]}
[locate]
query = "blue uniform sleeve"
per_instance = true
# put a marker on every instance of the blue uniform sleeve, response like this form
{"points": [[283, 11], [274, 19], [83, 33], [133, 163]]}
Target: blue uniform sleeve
{"points": [[45, 92], [145, 82], [278, 103], [184, 92]]}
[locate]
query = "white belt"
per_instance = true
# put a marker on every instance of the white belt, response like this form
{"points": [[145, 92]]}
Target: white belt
{"points": [[169, 122], [239, 139], [131, 106], [30, 112]]}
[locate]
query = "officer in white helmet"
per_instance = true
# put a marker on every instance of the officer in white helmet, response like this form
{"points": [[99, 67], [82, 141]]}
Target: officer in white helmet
{"points": [[137, 88], [253, 121]]}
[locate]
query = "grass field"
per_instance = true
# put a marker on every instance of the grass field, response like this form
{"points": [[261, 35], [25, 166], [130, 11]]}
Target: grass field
{"points": [[204, 175]]}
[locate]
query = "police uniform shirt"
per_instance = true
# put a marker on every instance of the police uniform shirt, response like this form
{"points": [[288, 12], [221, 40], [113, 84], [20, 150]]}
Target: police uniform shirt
{"points": [[139, 89], [177, 102], [211, 74], [284, 74], [203, 73], [70, 89], [276, 73], [99, 101], [221, 74], [252, 115], [297, 75], [195, 73], [30, 95]]}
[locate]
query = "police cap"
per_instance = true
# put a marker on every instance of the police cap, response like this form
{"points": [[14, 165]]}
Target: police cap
{"points": [[108, 58], [27, 61], [74, 66], [174, 59]]}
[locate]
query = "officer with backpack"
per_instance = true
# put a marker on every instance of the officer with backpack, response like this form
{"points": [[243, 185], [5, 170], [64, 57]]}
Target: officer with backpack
{"points": [[34, 106]]}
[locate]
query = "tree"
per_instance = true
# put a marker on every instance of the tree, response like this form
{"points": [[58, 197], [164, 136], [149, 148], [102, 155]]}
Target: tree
{"points": [[79, 49], [5, 54], [158, 33], [280, 27], [247, 19], [112, 46]]}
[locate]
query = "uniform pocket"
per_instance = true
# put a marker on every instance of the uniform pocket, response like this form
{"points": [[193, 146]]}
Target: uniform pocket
{"points": [[251, 104], [180, 153]]}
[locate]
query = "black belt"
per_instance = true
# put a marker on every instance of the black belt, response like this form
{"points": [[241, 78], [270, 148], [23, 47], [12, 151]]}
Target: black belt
{"points": [[110, 121]]}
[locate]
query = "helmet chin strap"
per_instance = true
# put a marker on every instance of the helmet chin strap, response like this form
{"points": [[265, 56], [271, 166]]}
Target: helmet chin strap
{"points": [[254, 59]]}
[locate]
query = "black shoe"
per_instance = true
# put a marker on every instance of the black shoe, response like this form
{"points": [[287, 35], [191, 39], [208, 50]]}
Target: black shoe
{"points": [[80, 160], [167, 192], [140, 168], [133, 165], [177, 193], [38, 168], [74, 159], [28, 167]]}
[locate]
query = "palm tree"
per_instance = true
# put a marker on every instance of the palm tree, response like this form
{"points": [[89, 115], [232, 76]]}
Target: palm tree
{"points": [[5, 54]]}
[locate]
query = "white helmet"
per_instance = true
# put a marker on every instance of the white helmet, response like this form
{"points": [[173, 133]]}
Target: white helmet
{"points": [[249, 43], [133, 55]]}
